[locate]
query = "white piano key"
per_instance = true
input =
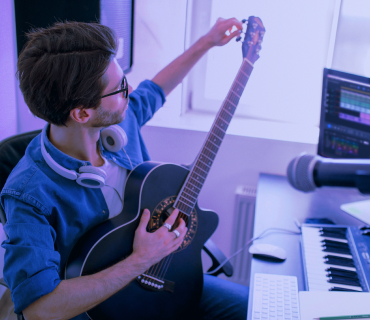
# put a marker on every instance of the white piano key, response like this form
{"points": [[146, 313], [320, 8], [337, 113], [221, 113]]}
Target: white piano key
{"points": [[318, 252], [324, 285]]}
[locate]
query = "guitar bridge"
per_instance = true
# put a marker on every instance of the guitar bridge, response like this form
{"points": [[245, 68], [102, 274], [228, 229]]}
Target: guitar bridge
{"points": [[154, 284]]}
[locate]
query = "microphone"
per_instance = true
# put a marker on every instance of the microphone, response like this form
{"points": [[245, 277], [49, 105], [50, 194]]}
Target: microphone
{"points": [[308, 172]]}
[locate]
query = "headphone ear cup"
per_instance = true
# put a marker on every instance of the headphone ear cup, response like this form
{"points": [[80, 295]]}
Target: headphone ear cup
{"points": [[114, 138], [91, 177]]}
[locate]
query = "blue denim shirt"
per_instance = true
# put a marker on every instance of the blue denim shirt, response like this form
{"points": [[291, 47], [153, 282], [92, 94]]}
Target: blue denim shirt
{"points": [[47, 213]]}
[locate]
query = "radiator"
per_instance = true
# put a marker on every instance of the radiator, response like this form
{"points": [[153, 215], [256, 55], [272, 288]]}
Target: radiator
{"points": [[245, 199]]}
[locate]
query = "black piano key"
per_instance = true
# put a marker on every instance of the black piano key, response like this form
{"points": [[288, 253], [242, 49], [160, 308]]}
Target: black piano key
{"points": [[334, 230], [338, 261], [349, 272], [343, 274], [335, 250], [333, 235], [334, 243], [345, 281], [341, 289]]}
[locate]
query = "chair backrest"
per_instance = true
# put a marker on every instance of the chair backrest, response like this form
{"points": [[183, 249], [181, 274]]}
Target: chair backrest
{"points": [[12, 149]]}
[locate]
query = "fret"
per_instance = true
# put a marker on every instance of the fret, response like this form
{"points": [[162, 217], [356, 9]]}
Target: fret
{"points": [[221, 124], [214, 139], [194, 186], [247, 68], [218, 132], [189, 197], [186, 201], [238, 89], [209, 153], [209, 162], [195, 182], [228, 112], [201, 172], [225, 116], [215, 145], [242, 78], [219, 128], [202, 166], [211, 146], [184, 208], [197, 177], [192, 193], [233, 98], [229, 107]]}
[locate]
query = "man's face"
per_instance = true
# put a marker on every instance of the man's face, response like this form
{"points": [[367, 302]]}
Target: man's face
{"points": [[113, 108]]}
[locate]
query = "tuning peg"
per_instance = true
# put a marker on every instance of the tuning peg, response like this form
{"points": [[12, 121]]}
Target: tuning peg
{"points": [[238, 39], [244, 20]]}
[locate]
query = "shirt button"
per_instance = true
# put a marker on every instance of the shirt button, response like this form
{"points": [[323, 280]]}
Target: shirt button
{"points": [[114, 159], [103, 211]]}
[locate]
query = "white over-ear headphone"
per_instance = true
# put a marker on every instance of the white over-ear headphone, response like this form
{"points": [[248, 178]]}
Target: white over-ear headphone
{"points": [[114, 138]]}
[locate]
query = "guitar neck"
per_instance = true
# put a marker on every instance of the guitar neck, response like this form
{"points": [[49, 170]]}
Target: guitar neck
{"points": [[188, 195]]}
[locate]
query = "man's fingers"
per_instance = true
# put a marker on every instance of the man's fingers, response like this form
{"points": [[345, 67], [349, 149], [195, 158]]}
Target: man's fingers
{"points": [[144, 220], [172, 218]]}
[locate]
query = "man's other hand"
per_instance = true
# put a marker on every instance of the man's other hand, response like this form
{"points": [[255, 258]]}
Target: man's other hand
{"points": [[217, 35]]}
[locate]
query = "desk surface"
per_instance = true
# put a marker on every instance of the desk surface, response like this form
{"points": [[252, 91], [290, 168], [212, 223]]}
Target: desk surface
{"points": [[277, 205]]}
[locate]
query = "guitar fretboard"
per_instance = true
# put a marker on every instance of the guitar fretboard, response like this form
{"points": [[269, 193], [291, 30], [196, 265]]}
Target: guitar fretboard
{"points": [[188, 195]]}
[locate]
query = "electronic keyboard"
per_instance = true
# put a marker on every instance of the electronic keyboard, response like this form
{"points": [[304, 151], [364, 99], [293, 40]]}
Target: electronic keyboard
{"points": [[336, 258]]}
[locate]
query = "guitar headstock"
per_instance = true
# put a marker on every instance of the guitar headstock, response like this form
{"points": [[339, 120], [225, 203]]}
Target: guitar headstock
{"points": [[253, 38]]}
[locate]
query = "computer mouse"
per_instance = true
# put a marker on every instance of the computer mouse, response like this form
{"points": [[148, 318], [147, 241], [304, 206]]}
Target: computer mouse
{"points": [[268, 250]]}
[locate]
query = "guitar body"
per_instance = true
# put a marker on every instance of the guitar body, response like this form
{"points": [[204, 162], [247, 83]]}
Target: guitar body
{"points": [[153, 186]]}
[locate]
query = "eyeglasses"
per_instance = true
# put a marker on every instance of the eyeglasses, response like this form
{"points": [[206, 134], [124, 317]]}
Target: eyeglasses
{"points": [[124, 89]]}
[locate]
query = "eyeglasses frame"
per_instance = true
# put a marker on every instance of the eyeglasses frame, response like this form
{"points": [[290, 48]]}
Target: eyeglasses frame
{"points": [[124, 90]]}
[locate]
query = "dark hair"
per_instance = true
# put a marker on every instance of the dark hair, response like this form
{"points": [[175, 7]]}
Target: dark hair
{"points": [[62, 67]]}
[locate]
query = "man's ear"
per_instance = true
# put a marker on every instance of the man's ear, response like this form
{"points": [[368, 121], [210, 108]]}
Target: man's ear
{"points": [[80, 115]]}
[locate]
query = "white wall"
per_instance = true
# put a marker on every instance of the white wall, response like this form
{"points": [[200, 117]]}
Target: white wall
{"points": [[8, 104]]}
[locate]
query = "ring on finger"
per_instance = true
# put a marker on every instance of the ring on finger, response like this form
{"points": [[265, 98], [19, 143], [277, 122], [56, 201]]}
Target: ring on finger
{"points": [[176, 233], [167, 225]]}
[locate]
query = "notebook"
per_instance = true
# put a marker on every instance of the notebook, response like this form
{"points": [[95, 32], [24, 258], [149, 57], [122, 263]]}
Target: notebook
{"points": [[315, 304]]}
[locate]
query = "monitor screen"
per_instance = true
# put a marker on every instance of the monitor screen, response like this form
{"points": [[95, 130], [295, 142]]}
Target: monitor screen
{"points": [[345, 116]]}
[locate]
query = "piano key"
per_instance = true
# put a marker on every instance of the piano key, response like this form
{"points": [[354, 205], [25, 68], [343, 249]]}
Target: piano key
{"points": [[344, 275], [321, 283], [334, 230], [331, 259], [341, 289], [324, 266], [335, 250], [341, 271], [335, 243], [346, 281], [333, 235], [320, 254]]}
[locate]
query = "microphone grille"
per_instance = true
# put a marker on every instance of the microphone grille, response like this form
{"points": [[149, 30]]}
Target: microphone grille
{"points": [[300, 172]]}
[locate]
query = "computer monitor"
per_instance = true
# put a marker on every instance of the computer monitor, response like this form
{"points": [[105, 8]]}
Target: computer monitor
{"points": [[345, 116]]}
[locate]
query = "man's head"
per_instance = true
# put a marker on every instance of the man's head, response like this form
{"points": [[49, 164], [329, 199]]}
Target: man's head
{"points": [[65, 67]]}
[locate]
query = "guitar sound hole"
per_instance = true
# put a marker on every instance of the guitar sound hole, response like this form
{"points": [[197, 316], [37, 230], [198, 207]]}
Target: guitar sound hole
{"points": [[162, 212]]}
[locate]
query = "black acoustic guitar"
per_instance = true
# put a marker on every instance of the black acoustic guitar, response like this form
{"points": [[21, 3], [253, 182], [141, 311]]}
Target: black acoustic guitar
{"points": [[172, 288]]}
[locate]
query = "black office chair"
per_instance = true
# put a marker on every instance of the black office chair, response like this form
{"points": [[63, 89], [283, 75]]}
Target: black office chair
{"points": [[12, 149]]}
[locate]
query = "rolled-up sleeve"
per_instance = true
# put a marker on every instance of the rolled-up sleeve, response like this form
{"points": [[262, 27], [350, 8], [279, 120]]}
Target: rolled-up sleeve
{"points": [[31, 263], [146, 100]]}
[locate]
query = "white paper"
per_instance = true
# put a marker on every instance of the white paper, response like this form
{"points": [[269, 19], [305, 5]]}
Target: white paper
{"points": [[315, 304]]}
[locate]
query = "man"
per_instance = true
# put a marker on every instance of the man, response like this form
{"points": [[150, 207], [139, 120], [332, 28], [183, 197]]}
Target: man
{"points": [[69, 77]]}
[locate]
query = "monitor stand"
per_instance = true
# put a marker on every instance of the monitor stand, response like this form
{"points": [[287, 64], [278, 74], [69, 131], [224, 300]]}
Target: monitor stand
{"points": [[359, 209]]}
